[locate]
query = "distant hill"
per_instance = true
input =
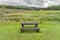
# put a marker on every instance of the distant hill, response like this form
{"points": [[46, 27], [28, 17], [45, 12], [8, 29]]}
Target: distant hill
{"points": [[19, 7]]}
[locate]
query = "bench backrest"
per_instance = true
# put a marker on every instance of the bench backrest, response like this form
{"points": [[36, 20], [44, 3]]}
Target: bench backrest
{"points": [[29, 23]]}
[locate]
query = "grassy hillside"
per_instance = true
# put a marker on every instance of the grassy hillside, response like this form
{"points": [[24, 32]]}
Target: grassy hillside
{"points": [[12, 15], [49, 24]]}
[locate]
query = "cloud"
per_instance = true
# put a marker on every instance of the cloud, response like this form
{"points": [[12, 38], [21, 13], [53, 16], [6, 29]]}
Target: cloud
{"points": [[34, 3]]}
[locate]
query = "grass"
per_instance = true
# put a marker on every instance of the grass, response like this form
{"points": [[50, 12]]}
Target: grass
{"points": [[49, 24], [18, 15], [11, 31]]}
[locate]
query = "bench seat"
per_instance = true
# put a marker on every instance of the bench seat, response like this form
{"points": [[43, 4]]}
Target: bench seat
{"points": [[36, 29]]}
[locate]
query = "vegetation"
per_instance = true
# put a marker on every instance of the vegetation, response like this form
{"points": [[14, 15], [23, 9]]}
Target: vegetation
{"points": [[57, 7], [52, 8], [19, 7], [48, 31], [24, 15], [49, 24]]}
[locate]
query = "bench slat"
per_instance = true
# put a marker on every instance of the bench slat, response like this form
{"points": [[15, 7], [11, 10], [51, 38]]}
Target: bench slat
{"points": [[30, 28], [29, 23]]}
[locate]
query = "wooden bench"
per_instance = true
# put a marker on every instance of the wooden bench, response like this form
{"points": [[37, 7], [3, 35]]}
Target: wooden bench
{"points": [[29, 23]]}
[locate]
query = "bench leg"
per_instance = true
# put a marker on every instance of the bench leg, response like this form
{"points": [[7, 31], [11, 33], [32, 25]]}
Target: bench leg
{"points": [[22, 30], [37, 30]]}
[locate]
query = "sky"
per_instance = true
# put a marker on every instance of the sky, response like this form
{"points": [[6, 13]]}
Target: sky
{"points": [[32, 3]]}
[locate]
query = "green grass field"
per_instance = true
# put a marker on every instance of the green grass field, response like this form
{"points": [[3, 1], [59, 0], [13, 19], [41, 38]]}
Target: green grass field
{"points": [[49, 24], [48, 31]]}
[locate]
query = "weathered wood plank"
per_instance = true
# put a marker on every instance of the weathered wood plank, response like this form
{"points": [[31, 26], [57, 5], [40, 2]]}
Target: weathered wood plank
{"points": [[29, 23]]}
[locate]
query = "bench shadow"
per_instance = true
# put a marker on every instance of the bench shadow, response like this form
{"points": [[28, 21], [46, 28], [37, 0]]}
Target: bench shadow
{"points": [[30, 32]]}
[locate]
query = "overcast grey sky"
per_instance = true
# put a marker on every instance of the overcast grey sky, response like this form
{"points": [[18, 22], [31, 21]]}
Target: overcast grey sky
{"points": [[36, 3]]}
